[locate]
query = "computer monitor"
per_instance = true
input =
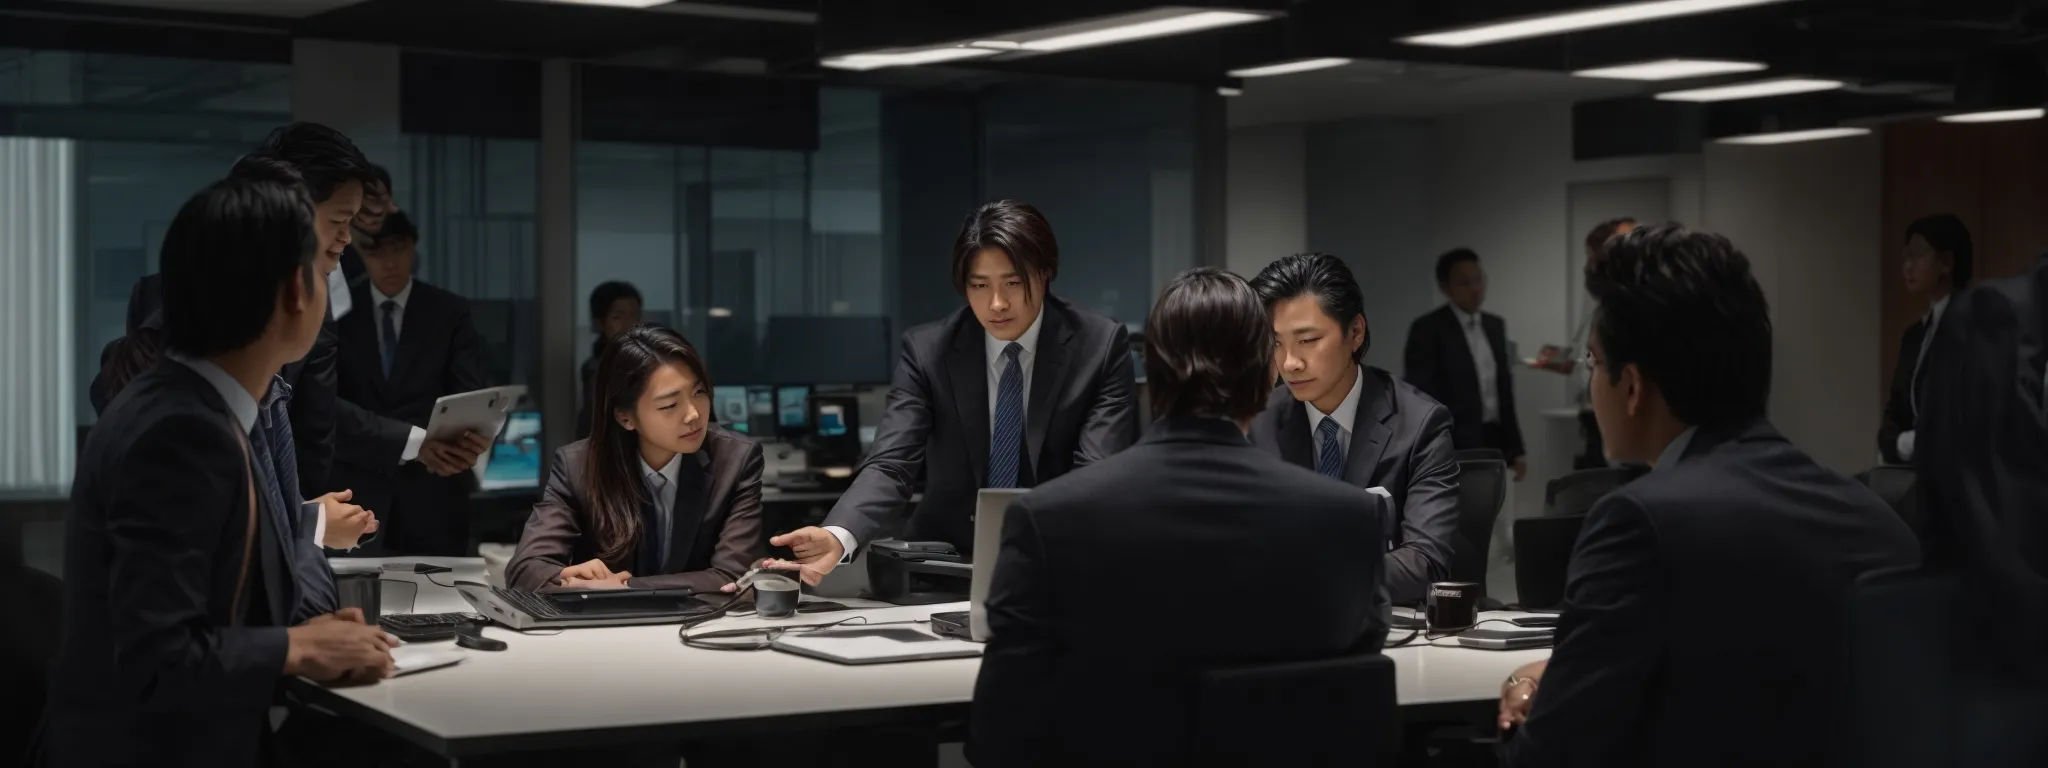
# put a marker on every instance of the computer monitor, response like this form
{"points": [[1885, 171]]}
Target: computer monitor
{"points": [[729, 404], [761, 411], [836, 441], [793, 406], [516, 457]]}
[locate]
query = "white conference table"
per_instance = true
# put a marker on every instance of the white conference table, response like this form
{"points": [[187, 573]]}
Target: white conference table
{"points": [[625, 685]]}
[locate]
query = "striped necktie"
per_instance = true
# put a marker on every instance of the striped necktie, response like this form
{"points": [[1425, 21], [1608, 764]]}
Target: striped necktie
{"points": [[282, 484], [1329, 451], [1006, 440]]}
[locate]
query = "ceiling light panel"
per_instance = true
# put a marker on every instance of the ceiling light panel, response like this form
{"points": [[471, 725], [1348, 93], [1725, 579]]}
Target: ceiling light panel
{"points": [[1752, 90], [1671, 69], [1996, 116], [1289, 67], [1791, 137], [1162, 22], [1575, 21], [614, 3], [861, 62]]}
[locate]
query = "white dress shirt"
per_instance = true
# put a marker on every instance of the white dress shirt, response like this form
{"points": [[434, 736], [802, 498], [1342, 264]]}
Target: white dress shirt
{"points": [[245, 409], [1345, 415], [417, 436], [1675, 450], [996, 363], [1933, 321], [1482, 361], [665, 501]]}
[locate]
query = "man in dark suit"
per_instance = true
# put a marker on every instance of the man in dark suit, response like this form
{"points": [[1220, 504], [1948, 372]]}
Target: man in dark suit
{"points": [[1355, 423], [1017, 388], [1057, 685], [179, 565], [406, 345], [1680, 357], [1936, 262], [1458, 354]]}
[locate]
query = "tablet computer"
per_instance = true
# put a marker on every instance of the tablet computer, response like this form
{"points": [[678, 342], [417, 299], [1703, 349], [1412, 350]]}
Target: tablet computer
{"points": [[1506, 639], [483, 412]]}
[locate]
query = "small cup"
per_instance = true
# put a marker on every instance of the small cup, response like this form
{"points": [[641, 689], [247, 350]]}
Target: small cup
{"points": [[775, 597], [1452, 605]]}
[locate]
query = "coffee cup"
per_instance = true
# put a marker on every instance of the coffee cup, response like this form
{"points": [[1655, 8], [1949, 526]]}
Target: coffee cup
{"points": [[1452, 605], [775, 596]]}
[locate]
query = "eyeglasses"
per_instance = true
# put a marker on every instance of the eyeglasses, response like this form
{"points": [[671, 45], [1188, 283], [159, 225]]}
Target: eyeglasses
{"points": [[1589, 359], [755, 638]]}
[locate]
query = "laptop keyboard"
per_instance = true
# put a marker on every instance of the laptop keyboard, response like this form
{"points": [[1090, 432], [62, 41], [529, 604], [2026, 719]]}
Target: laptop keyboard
{"points": [[528, 603]]}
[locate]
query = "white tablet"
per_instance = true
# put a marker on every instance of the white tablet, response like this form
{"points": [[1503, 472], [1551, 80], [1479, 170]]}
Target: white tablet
{"points": [[482, 412]]}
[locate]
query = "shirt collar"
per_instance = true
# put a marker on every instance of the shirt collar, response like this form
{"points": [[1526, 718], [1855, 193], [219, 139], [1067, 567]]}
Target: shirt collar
{"points": [[239, 402], [668, 471], [1675, 451], [404, 294], [1934, 312], [1464, 320], [1029, 340], [1347, 411]]}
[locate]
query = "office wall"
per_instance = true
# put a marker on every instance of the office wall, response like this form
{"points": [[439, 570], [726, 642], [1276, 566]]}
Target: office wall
{"points": [[1808, 217], [1265, 196]]}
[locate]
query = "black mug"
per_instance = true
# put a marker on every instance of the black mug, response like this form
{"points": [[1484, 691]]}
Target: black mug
{"points": [[775, 596], [1452, 605]]}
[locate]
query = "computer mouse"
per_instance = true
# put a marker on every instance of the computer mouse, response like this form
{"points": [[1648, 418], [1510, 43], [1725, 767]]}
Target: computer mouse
{"points": [[471, 636]]}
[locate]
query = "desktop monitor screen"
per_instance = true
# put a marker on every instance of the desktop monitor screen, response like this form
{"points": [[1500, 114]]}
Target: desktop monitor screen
{"points": [[515, 458], [793, 405], [730, 404], [761, 411]]}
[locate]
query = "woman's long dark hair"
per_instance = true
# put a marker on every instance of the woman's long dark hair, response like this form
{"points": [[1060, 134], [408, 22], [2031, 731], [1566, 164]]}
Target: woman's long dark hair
{"points": [[611, 465]]}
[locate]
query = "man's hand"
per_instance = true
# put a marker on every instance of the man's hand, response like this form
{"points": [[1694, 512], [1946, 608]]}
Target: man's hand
{"points": [[329, 648], [346, 523], [1521, 467], [450, 456], [1518, 695], [817, 553]]}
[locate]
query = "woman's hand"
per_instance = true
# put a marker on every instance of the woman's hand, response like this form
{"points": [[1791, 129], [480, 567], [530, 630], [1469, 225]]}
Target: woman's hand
{"points": [[1518, 694], [589, 570]]}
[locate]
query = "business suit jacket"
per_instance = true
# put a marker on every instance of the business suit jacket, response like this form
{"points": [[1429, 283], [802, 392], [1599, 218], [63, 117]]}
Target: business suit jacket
{"points": [[174, 587], [1095, 649], [727, 541], [1899, 415], [936, 428], [1438, 361], [1400, 441], [439, 353], [1743, 522], [1982, 460], [311, 379]]}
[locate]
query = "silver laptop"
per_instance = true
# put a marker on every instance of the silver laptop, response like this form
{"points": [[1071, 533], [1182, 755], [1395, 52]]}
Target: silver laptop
{"points": [[597, 608], [990, 505]]}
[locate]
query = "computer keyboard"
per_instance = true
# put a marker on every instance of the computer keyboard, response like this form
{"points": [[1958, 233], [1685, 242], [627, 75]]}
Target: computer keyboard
{"points": [[529, 603], [425, 627]]}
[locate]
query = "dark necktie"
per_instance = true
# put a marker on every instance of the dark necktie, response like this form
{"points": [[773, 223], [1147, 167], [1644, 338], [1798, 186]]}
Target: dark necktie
{"points": [[390, 332], [654, 532], [276, 425], [273, 502], [1006, 440], [1329, 452]]}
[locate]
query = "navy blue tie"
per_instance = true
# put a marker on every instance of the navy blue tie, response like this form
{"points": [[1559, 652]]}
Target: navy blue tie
{"points": [[1329, 452], [1006, 440], [390, 332]]}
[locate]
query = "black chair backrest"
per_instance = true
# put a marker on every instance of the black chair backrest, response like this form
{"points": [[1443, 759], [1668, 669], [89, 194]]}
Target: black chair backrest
{"points": [[1338, 711], [1543, 556], [1899, 486], [1482, 487], [1575, 493]]}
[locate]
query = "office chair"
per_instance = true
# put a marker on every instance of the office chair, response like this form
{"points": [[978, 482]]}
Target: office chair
{"points": [[1337, 711], [1482, 488], [1543, 555], [25, 659], [1574, 494], [1908, 701], [1899, 486]]}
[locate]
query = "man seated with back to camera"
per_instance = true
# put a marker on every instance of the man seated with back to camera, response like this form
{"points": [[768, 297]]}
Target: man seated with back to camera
{"points": [[1348, 421], [1661, 655], [1058, 684]]}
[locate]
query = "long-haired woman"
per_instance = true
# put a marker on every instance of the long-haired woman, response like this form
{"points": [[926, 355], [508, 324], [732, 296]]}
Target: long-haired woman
{"points": [[657, 496]]}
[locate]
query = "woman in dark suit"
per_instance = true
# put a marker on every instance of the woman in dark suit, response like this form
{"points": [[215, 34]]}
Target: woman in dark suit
{"points": [[657, 490]]}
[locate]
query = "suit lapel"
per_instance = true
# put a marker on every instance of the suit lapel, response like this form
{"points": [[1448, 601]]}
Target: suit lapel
{"points": [[1369, 431], [1048, 378], [1461, 349], [967, 374], [1295, 446], [418, 317]]}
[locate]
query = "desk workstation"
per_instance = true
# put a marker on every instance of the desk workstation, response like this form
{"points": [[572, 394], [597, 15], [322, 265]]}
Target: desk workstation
{"points": [[656, 689]]}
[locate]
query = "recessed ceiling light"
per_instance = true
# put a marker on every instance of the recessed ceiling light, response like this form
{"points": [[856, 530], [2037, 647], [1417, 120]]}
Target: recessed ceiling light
{"points": [[1180, 21], [1788, 137], [1755, 90], [1671, 69], [1227, 90], [861, 62], [1289, 67], [616, 3], [1574, 21], [1997, 116]]}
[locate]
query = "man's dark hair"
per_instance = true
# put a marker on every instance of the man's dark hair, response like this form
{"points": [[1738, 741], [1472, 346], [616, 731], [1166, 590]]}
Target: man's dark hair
{"points": [[608, 293], [1450, 260], [1321, 275], [1946, 234], [1596, 240], [381, 177], [225, 256], [323, 156], [1016, 228], [1683, 307], [1208, 347], [397, 226]]}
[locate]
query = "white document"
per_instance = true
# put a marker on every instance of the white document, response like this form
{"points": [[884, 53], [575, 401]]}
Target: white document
{"points": [[420, 658]]}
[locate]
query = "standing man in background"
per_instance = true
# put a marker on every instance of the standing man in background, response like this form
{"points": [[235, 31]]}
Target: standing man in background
{"points": [[1015, 389], [1459, 355], [1354, 423], [1935, 262], [614, 309], [368, 222], [406, 345]]}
